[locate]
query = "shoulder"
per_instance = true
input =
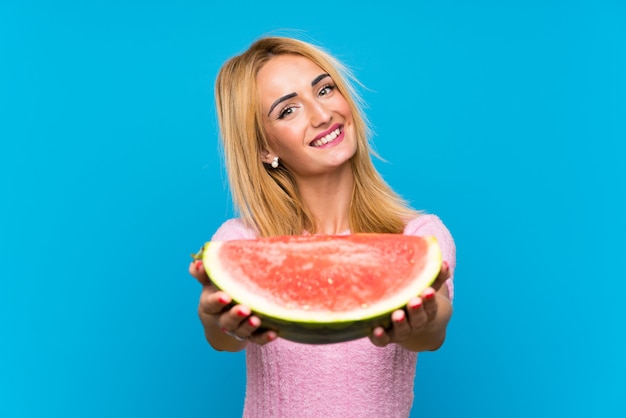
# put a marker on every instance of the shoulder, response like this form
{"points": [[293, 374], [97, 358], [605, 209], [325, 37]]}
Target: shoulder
{"points": [[234, 229], [426, 224]]}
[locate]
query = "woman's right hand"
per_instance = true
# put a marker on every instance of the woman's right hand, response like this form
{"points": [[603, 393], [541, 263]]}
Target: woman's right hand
{"points": [[227, 326]]}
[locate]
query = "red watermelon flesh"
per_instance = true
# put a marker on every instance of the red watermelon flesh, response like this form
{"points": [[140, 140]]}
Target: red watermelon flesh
{"points": [[338, 282]]}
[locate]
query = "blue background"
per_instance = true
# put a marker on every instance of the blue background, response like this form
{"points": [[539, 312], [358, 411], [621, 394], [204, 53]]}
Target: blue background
{"points": [[504, 118]]}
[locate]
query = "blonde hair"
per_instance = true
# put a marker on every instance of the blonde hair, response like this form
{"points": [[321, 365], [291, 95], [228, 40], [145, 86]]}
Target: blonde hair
{"points": [[267, 199]]}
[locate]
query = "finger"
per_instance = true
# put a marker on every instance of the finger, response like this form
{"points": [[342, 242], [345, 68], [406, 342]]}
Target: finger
{"points": [[213, 302], [379, 337], [263, 337], [444, 274], [430, 302], [417, 315], [196, 269], [234, 335], [400, 328], [233, 318], [249, 326]]}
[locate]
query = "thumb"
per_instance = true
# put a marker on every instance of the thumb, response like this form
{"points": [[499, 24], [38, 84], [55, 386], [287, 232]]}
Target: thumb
{"points": [[444, 274], [196, 269]]}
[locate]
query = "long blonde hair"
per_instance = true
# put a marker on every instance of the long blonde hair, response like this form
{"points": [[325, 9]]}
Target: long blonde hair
{"points": [[267, 199]]}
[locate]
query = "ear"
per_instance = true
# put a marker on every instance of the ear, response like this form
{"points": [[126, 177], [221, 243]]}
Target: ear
{"points": [[267, 156]]}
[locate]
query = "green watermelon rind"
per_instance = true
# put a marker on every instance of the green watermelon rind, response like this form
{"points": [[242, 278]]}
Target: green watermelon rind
{"points": [[324, 333], [334, 328]]}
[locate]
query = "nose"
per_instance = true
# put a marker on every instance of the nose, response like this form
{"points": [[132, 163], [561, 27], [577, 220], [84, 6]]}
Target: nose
{"points": [[320, 114]]}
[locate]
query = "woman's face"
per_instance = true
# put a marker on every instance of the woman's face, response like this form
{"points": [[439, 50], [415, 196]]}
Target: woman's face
{"points": [[308, 122]]}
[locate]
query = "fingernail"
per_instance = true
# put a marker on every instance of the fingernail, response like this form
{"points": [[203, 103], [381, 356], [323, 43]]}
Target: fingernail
{"points": [[399, 317], [445, 265], [272, 336], [242, 313], [198, 264], [429, 295], [415, 304], [254, 322], [223, 299], [378, 332]]}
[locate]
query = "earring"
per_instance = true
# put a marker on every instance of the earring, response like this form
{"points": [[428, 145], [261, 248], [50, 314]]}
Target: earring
{"points": [[274, 163]]}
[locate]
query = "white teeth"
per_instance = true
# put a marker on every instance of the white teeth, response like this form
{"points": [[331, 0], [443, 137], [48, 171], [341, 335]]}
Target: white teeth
{"points": [[325, 140]]}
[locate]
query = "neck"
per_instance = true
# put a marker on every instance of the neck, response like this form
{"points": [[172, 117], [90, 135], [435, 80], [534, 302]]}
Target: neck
{"points": [[328, 199]]}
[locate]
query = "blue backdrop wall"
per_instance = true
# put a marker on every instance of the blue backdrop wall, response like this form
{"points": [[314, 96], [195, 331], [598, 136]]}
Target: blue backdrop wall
{"points": [[504, 118]]}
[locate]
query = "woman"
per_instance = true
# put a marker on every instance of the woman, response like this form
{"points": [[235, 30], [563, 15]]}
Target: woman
{"points": [[298, 160]]}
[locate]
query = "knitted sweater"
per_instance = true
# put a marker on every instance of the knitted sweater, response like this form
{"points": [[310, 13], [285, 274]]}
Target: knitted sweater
{"points": [[352, 379]]}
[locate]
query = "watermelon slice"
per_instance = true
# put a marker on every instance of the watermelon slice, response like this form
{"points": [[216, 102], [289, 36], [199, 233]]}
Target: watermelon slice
{"points": [[321, 289]]}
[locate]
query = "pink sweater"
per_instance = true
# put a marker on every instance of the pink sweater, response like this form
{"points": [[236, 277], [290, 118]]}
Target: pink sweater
{"points": [[353, 379]]}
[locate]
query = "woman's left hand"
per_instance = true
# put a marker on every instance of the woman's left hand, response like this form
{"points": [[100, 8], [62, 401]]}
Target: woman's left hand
{"points": [[421, 325]]}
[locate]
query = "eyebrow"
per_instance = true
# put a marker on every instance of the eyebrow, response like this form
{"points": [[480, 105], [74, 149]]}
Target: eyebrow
{"points": [[291, 95], [282, 99], [319, 78]]}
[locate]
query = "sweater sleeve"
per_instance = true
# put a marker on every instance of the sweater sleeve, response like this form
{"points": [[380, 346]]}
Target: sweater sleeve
{"points": [[431, 225]]}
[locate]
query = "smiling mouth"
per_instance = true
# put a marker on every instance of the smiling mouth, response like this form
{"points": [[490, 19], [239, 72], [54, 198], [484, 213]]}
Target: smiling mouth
{"points": [[327, 138]]}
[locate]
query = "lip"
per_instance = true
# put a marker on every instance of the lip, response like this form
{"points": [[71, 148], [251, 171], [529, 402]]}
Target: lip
{"points": [[332, 128], [335, 141]]}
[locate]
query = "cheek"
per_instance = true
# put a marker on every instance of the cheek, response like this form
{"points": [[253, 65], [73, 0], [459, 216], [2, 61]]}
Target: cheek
{"points": [[273, 134], [286, 136], [344, 109]]}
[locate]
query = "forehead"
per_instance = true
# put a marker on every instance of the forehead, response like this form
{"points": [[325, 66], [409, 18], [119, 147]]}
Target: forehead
{"points": [[284, 74]]}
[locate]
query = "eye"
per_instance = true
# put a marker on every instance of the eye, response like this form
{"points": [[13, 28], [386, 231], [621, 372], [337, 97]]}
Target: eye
{"points": [[326, 89], [286, 112]]}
